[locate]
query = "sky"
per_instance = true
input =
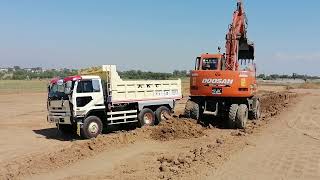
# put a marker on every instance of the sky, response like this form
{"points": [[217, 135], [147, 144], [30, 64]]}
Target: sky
{"points": [[155, 35]]}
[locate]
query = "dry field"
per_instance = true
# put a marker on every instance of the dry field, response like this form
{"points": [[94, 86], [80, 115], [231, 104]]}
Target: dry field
{"points": [[284, 144]]}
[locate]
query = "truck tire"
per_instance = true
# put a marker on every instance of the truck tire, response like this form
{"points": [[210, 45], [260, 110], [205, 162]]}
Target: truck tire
{"points": [[65, 128], [92, 127], [242, 116], [256, 111], [146, 117], [161, 113], [232, 116], [192, 110]]}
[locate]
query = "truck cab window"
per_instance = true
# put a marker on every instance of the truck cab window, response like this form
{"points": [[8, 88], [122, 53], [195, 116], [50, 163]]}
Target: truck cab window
{"points": [[96, 85], [88, 86]]}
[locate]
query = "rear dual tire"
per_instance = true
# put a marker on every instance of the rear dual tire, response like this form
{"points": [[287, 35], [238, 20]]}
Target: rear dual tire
{"points": [[238, 116], [146, 117], [162, 113], [232, 116]]}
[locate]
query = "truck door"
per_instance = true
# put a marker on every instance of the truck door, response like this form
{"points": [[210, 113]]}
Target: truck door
{"points": [[87, 95]]}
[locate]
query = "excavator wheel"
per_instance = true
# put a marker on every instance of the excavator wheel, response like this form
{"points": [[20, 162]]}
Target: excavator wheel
{"points": [[242, 116], [256, 111], [232, 116], [192, 110]]}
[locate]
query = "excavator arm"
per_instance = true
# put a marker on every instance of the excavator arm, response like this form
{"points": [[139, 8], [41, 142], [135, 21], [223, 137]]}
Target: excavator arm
{"points": [[237, 44]]}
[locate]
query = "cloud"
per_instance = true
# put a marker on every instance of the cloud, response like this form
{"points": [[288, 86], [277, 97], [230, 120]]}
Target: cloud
{"points": [[301, 56]]}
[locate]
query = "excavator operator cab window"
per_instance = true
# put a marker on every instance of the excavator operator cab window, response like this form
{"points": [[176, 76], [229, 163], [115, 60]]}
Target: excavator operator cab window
{"points": [[210, 64]]}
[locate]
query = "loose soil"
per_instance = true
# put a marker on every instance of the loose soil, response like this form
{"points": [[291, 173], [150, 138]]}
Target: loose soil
{"points": [[175, 149]]}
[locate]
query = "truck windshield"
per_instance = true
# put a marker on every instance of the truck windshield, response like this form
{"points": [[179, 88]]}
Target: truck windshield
{"points": [[210, 64], [57, 92]]}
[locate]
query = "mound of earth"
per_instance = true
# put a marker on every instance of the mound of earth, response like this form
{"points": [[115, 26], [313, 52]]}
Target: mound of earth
{"points": [[177, 129], [273, 103]]}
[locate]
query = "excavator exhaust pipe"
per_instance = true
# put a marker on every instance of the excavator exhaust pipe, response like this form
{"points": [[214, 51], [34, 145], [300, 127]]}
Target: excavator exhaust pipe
{"points": [[246, 49]]}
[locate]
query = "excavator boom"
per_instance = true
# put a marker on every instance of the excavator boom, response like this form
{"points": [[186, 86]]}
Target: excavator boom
{"points": [[237, 44]]}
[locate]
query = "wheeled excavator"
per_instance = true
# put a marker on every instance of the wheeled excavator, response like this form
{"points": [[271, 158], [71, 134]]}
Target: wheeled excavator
{"points": [[224, 84]]}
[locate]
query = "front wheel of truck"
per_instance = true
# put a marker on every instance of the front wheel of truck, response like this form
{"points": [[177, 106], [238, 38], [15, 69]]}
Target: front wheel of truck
{"points": [[92, 127]]}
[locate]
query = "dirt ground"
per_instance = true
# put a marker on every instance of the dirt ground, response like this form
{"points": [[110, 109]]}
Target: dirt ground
{"points": [[284, 144]]}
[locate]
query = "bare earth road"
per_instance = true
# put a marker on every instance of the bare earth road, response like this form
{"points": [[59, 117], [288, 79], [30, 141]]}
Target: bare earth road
{"points": [[286, 146], [23, 116], [288, 149]]}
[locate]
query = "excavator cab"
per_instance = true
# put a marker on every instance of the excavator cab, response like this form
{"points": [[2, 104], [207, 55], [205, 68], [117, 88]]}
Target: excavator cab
{"points": [[210, 62]]}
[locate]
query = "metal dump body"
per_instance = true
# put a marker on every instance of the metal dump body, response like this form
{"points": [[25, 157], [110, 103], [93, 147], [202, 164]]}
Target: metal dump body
{"points": [[122, 91]]}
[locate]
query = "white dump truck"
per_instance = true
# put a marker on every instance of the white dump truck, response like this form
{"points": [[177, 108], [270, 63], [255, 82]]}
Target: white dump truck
{"points": [[87, 103]]}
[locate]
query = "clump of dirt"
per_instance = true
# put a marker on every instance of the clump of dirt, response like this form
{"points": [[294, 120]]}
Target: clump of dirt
{"points": [[171, 165], [176, 165], [177, 129]]}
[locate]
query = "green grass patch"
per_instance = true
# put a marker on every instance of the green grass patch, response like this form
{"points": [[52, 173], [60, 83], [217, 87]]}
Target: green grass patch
{"points": [[20, 86]]}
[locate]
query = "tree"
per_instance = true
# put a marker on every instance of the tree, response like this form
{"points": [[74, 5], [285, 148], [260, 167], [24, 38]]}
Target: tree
{"points": [[261, 76]]}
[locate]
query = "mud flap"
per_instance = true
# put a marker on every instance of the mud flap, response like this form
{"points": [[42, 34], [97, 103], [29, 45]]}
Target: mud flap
{"points": [[79, 126]]}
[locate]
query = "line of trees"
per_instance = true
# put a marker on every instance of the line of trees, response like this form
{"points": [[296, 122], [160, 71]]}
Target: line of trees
{"points": [[293, 76], [137, 74], [20, 74]]}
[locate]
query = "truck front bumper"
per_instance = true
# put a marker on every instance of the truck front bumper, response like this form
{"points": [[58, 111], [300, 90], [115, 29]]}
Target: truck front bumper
{"points": [[59, 118]]}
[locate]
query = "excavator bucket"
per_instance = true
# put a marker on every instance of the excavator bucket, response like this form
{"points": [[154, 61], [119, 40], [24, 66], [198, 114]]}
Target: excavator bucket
{"points": [[246, 49]]}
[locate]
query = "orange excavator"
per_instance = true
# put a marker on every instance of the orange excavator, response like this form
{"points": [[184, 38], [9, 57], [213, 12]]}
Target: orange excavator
{"points": [[225, 85]]}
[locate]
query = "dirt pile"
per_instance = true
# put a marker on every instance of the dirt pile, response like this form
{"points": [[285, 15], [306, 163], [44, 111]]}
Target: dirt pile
{"points": [[177, 129], [172, 165], [178, 165], [273, 103], [35, 164]]}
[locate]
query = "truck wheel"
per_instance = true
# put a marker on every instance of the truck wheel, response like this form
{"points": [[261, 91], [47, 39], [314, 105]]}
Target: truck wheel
{"points": [[92, 127], [232, 116], [242, 116], [65, 128], [192, 110], [256, 111], [161, 113], [146, 117]]}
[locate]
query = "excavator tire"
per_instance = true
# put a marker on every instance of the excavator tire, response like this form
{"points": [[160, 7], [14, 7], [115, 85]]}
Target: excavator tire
{"points": [[256, 111], [192, 110], [242, 116], [232, 116]]}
